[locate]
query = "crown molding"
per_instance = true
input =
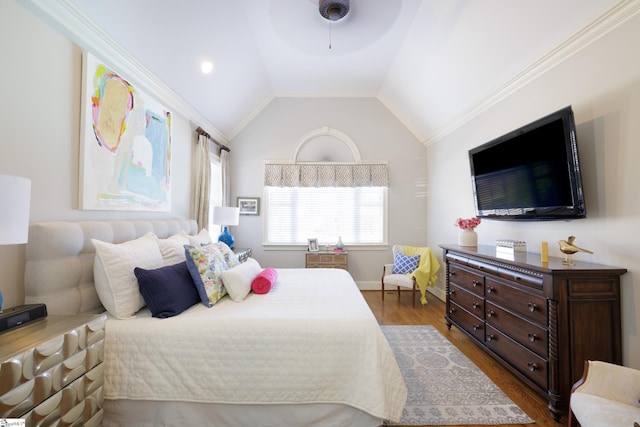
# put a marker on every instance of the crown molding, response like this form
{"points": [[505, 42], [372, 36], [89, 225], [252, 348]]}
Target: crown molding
{"points": [[599, 27]]}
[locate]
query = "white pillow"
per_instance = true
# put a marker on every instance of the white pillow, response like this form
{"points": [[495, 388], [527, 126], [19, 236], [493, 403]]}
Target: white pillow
{"points": [[115, 280], [172, 248], [237, 280], [202, 238]]}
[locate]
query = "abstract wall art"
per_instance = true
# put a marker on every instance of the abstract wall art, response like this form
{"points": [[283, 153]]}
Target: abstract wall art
{"points": [[125, 159]]}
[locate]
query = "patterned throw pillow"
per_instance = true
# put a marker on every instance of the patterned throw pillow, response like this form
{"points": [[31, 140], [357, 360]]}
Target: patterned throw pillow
{"points": [[206, 264], [404, 264]]}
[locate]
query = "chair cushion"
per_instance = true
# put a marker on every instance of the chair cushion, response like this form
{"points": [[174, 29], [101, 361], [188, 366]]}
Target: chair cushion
{"points": [[401, 280], [404, 264], [596, 411]]}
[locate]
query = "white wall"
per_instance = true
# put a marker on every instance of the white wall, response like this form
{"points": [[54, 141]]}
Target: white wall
{"points": [[602, 83], [276, 132], [40, 86]]}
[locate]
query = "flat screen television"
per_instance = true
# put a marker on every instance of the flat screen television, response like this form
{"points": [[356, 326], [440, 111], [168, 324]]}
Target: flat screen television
{"points": [[530, 173]]}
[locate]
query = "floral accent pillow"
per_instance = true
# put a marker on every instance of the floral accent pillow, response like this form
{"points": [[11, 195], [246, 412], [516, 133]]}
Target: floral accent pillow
{"points": [[206, 264]]}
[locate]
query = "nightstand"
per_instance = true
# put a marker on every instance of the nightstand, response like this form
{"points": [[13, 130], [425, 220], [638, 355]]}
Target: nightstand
{"points": [[328, 259], [51, 371]]}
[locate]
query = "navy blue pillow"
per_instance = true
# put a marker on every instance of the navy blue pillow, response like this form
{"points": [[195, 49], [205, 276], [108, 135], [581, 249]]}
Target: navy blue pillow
{"points": [[167, 291]]}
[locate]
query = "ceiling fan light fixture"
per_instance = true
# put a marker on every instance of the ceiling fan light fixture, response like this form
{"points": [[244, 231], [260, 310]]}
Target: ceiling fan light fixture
{"points": [[333, 10]]}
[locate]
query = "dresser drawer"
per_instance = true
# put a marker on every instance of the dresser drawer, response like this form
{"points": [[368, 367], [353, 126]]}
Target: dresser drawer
{"points": [[467, 279], [527, 362], [531, 307], [467, 321], [467, 300], [531, 335], [326, 260]]}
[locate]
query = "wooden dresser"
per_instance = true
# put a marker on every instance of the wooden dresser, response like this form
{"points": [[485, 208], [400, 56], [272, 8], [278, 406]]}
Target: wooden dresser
{"points": [[326, 260], [540, 321], [51, 371]]}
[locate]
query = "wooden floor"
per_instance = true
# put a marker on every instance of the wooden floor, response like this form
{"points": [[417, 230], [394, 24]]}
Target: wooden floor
{"points": [[394, 312]]}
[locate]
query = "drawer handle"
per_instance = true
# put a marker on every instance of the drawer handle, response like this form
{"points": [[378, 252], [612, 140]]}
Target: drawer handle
{"points": [[452, 273], [452, 310], [490, 313], [476, 283], [532, 307], [490, 337], [490, 289], [475, 305], [452, 292], [532, 366], [476, 327], [532, 337]]}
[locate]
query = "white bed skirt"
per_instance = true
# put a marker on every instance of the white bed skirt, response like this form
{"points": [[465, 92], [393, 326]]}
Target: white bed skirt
{"points": [[144, 413]]}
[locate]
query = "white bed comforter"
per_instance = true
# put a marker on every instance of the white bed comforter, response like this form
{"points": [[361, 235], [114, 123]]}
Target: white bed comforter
{"points": [[312, 338]]}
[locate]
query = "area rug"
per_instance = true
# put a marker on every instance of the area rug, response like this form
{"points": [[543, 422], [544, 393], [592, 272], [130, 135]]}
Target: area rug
{"points": [[445, 387]]}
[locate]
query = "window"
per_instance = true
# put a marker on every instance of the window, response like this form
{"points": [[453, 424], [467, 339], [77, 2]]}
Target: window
{"points": [[356, 214], [215, 191]]}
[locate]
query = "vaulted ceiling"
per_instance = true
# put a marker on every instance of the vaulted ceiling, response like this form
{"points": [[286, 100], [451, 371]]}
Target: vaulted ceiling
{"points": [[433, 63]]}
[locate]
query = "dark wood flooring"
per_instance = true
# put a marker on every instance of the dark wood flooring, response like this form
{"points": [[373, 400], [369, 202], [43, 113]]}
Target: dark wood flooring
{"points": [[392, 311]]}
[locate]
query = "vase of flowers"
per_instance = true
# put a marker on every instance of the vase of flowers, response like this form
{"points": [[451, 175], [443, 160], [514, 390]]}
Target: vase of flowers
{"points": [[467, 235]]}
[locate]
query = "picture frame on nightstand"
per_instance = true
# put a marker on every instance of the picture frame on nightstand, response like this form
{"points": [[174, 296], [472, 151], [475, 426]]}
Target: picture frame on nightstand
{"points": [[312, 245]]}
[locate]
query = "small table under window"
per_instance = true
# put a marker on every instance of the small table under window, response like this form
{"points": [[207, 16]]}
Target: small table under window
{"points": [[326, 259]]}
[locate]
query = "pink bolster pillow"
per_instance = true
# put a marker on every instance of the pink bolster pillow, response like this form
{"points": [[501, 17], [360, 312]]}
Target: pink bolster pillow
{"points": [[264, 281]]}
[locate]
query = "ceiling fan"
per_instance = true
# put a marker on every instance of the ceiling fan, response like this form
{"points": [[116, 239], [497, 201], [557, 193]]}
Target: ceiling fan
{"points": [[333, 10]]}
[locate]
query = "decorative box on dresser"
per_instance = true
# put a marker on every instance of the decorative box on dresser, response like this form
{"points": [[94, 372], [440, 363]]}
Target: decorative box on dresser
{"points": [[51, 371], [539, 320]]}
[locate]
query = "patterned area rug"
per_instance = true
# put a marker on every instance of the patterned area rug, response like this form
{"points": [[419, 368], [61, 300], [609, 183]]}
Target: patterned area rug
{"points": [[445, 387]]}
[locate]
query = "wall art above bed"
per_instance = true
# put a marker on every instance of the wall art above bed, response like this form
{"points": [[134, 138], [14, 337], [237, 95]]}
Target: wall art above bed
{"points": [[125, 159]]}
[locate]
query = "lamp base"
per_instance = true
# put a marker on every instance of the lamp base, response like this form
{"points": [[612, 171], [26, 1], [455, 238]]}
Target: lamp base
{"points": [[226, 237]]}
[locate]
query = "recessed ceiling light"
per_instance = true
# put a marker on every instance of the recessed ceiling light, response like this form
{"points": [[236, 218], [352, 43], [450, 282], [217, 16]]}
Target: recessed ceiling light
{"points": [[206, 67]]}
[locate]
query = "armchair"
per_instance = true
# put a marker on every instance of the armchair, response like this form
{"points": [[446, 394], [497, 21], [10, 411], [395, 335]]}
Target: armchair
{"points": [[403, 274], [607, 395]]}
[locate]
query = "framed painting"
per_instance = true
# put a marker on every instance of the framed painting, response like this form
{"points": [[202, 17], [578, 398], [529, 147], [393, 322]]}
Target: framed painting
{"points": [[249, 205], [125, 147]]}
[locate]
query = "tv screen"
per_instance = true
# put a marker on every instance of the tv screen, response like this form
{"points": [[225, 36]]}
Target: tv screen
{"points": [[531, 173]]}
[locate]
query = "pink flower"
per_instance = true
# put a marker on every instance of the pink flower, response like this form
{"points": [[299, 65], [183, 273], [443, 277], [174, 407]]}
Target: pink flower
{"points": [[467, 224]]}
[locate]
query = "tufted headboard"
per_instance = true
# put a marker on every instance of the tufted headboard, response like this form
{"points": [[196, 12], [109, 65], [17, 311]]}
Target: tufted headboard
{"points": [[59, 259]]}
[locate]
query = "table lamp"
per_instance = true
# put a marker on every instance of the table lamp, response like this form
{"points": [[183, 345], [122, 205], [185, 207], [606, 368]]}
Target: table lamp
{"points": [[15, 195], [225, 216]]}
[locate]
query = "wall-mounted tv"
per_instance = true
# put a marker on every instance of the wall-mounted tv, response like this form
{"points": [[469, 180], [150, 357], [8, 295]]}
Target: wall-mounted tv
{"points": [[530, 173]]}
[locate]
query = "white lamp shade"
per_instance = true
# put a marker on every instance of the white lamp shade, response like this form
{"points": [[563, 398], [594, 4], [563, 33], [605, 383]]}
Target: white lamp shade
{"points": [[226, 215], [15, 197]]}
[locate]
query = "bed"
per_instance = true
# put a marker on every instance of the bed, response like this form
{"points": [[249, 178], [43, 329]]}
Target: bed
{"points": [[306, 352]]}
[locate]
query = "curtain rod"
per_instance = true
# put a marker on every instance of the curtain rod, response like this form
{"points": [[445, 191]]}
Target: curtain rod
{"points": [[201, 131]]}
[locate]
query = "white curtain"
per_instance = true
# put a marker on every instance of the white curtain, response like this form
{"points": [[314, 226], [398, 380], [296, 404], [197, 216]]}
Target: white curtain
{"points": [[226, 184], [203, 182]]}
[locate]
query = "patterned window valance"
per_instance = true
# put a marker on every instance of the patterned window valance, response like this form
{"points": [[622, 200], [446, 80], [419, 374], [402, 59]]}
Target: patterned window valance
{"points": [[326, 175]]}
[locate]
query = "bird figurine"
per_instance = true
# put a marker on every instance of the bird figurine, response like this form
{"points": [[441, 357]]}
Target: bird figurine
{"points": [[568, 248]]}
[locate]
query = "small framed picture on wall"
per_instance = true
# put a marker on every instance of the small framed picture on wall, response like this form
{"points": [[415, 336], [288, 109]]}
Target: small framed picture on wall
{"points": [[249, 205]]}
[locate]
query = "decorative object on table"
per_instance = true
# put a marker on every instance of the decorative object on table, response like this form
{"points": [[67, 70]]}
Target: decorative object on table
{"points": [[226, 216], [467, 235], [508, 249], [544, 252], [339, 245], [15, 198], [568, 248], [249, 205], [312, 245]]}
